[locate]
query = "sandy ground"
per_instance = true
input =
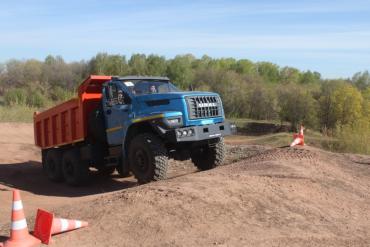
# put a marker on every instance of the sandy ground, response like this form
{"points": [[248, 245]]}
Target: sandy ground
{"points": [[262, 197]]}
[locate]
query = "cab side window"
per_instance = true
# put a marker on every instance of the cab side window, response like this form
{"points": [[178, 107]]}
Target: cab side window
{"points": [[116, 96], [112, 94]]}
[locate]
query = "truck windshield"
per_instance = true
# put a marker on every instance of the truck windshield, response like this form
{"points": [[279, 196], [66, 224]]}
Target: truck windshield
{"points": [[141, 87]]}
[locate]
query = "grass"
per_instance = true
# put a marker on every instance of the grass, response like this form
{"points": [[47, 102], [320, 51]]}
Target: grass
{"points": [[16, 113], [241, 122], [312, 138]]}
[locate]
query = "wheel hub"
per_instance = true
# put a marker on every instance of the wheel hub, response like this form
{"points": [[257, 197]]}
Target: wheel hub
{"points": [[141, 160]]}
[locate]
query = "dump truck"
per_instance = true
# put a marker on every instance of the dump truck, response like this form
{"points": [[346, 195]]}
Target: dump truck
{"points": [[131, 124]]}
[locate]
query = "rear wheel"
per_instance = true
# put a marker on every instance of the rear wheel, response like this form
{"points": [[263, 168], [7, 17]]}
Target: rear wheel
{"points": [[148, 158], [209, 156], [53, 165], [75, 170]]}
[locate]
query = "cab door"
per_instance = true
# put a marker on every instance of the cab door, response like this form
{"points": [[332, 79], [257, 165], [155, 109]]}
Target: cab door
{"points": [[116, 110]]}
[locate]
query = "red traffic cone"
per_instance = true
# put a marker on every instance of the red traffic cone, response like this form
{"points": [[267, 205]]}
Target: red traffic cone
{"points": [[46, 225], [298, 139], [19, 236]]}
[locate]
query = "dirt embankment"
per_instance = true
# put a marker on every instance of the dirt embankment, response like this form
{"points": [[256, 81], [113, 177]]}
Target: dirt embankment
{"points": [[271, 197]]}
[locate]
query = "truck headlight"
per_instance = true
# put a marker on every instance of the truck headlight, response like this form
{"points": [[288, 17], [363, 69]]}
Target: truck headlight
{"points": [[179, 133], [185, 132], [173, 122]]}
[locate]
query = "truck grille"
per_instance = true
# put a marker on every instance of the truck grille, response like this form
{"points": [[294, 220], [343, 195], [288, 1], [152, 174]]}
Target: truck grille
{"points": [[204, 106]]}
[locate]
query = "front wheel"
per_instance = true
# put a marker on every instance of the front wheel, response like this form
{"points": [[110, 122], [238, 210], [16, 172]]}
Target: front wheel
{"points": [[148, 158], [209, 156]]}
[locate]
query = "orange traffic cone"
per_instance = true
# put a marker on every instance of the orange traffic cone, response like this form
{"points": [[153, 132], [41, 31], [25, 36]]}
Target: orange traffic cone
{"points": [[298, 138], [46, 225], [19, 236]]}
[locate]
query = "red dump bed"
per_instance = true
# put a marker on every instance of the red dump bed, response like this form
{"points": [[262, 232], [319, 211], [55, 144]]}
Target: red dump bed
{"points": [[67, 123]]}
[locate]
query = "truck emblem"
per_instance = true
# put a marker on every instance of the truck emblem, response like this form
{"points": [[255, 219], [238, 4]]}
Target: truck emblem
{"points": [[206, 104]]}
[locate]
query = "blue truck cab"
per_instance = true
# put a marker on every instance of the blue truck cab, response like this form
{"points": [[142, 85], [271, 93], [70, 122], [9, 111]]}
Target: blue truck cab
{"points": [[144, 121]]}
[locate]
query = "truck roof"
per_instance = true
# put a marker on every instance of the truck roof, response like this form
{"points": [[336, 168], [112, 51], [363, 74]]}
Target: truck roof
{"points": [[126, 78]]}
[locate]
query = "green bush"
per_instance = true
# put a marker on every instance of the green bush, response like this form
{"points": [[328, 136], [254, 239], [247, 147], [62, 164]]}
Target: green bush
{"points": [[36, 99], [22, 97], [60, 94], [15, 96], [354, 137]]}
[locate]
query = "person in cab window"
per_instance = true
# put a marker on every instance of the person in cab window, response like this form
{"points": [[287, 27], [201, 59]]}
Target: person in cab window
{"points": [[152, 89]]}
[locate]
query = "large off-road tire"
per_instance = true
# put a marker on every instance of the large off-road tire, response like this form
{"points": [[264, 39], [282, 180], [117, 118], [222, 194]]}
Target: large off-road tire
{"points": [[75, 170], [148, 158], [44, 153], [53, 165], [209, 156]]}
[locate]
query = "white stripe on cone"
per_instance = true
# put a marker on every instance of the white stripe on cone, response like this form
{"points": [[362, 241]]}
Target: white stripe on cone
{"points": [[19, 224], [64, 224], [295, 142], [17, 205], [78, 223]]}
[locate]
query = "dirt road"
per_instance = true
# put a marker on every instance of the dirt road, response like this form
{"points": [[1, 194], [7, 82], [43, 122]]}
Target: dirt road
{"points": [[270, 197]]}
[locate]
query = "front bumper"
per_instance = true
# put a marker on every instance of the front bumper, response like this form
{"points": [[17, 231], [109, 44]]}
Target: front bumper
{"points": [[203, 132]]}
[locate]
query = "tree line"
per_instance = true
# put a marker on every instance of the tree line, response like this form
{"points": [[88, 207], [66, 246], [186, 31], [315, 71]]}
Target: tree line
{"points": [[255, 90]]}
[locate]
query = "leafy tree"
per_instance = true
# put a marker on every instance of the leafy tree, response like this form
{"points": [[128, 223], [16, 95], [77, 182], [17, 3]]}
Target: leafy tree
{"points": [[245, 67], [326, 112], [156, 65], [309, 77], [224, 64], [56, 72], [290, 75], [347, 104], [366, 104], [138, 64], [361, 80], [105, 64], [268, 71], [15, 73], [32, 70], [263, 103], [180, 70], [234, 93], [297, 106], [202, 64]]}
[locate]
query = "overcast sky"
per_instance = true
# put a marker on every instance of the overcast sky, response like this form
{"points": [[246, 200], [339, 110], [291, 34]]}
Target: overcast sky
{"points": [[331, 37]]}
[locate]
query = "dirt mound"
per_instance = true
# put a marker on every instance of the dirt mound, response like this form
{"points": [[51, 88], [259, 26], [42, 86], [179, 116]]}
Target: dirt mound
{"points": [[291, 197], [283, 154], [269, 197]]}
